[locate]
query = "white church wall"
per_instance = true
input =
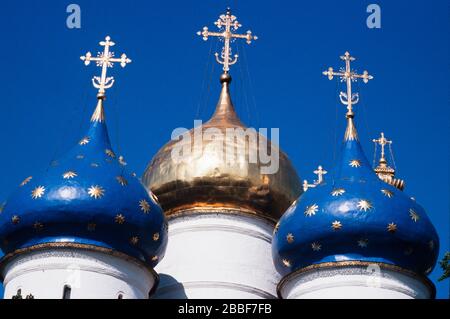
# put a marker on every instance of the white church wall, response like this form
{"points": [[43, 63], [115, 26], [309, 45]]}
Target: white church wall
{"points": [[354, 283], [88, 274], [218, 255]]}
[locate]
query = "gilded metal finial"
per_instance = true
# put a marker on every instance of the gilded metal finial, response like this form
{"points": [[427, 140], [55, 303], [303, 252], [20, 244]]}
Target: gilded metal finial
{"points": [[382, 141], [320, 172], [348, 75], [227, 24], [104, 60], [385, 172]]}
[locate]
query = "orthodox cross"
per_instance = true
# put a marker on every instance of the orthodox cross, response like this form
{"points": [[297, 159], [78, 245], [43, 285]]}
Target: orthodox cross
{"points": [[319, 172], [227, 24], [104, 60], [382, 141], [349, 76]]}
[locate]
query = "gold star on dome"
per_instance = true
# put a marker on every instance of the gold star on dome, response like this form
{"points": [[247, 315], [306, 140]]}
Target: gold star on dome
{"points": [[286, 263], [26, 181], [38, 226], [134, 240], [392, 227], [122, 161], [363, 242], [155, 258], [110, 153], [144, 205], [290, 238], [311, 210], [387, 193], [96, 191], [84, 140], [38, 192], [122, 181], [15, 219], [91, 226], [336, 225], [155, 236], [316, 246], [414, 216], [337, 192], [119, 219], [364, 205], [69, 175], [355, 163]]}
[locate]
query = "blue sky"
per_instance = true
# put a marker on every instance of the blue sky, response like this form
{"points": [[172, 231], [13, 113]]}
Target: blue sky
{"points": [[47, 97]]}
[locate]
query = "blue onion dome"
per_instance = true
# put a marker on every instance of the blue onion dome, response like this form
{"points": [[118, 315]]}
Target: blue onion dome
{"points": [[87, 199], [353, 216]]}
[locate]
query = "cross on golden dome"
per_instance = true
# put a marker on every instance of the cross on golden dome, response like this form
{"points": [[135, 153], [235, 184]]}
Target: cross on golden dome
{"points": [[349, 76], [104, 60], [227, 23]]}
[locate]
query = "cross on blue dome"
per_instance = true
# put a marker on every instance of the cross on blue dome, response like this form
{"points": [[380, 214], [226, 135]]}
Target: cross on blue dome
{"points": [[86, 199], [354, 216]]}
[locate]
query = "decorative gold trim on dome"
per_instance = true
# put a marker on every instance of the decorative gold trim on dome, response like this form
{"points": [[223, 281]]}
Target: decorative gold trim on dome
{"points": [[350, 132], [355, 263], [99, 113], [202, 209], [224, 115]]}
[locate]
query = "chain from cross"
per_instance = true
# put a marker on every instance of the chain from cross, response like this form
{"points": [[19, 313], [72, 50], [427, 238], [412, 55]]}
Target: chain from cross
{"points": [[228, 23], [104, 60], [382, 141], [349, 76]]}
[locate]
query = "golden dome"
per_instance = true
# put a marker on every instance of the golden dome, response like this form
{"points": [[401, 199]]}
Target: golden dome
{"points": [[206, 181]]}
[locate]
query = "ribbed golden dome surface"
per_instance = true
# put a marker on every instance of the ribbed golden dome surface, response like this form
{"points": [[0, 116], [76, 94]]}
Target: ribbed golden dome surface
{"points": [[206, 181]]}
